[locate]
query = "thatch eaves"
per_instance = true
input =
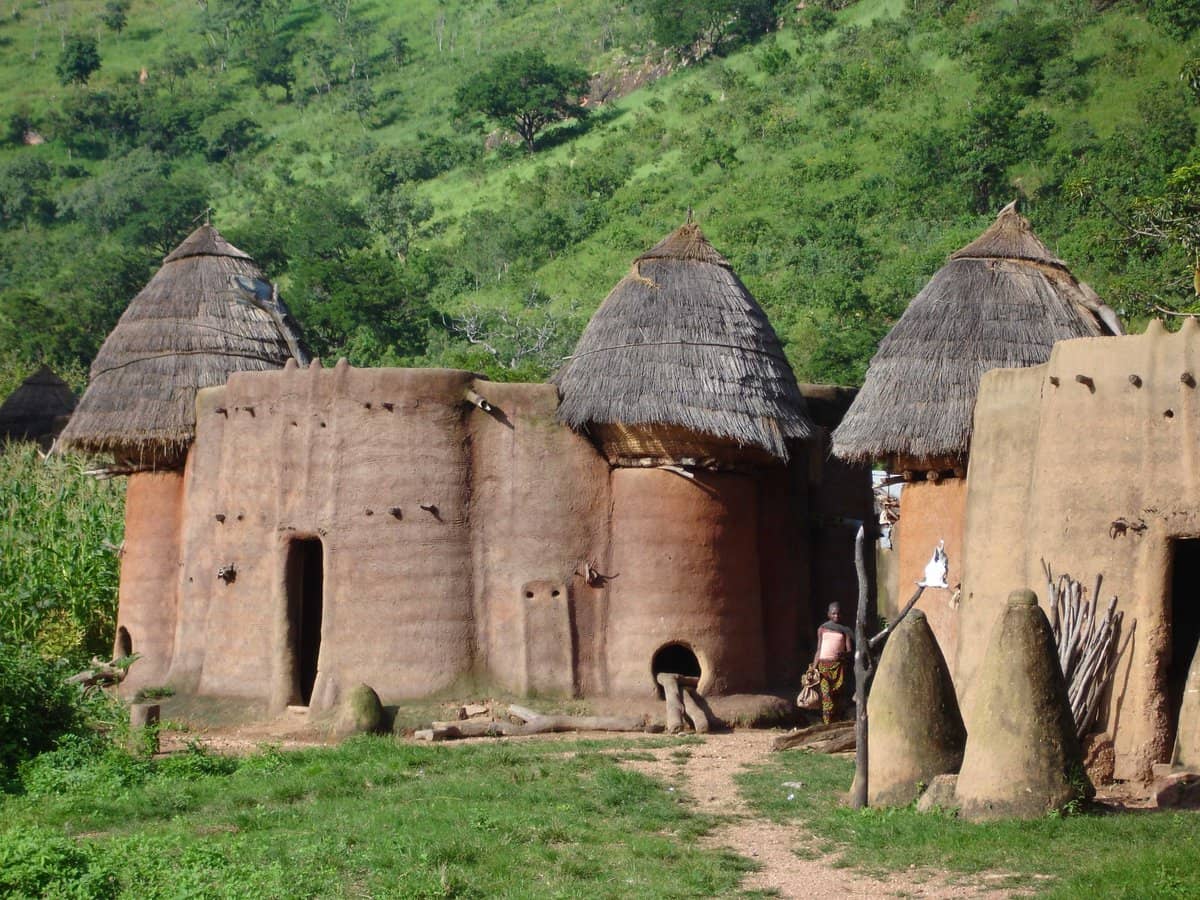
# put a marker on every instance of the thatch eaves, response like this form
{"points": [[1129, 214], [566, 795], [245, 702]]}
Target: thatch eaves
{"points": [[680, 342], [38, 408], [184, 331], [1002, 301]]}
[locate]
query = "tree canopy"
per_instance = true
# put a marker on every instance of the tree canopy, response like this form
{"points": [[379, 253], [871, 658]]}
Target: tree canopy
{"points": [[80, 57], [525, 92], [679, 24]]}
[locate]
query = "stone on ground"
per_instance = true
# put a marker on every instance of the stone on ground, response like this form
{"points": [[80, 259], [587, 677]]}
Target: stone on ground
{"points": [[939, 795], [917, 732], [360, 712], [1022, 758]]}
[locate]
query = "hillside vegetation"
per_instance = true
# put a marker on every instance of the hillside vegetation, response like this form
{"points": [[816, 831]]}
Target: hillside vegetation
{"points": [[836, 160]]}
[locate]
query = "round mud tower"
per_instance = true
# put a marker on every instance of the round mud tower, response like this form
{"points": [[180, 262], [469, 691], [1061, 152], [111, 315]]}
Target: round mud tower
{"points": [[1022, 758], [917, 732], [361, 712]]}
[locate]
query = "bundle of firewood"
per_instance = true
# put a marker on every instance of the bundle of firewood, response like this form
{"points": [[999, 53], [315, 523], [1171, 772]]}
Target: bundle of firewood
{"points": [[1087, 643]]}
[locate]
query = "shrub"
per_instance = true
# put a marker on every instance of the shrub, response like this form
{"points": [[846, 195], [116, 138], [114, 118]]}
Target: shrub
{"points": [[37, 707], [39, 862], [194, 763], [84, 763]]}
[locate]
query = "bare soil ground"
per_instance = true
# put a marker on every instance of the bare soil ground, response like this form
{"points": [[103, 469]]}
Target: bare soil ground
{"points": [[789, 866]]}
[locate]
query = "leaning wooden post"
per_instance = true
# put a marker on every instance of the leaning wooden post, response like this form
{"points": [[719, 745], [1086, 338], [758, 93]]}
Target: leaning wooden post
{"points": [[862, 670]]}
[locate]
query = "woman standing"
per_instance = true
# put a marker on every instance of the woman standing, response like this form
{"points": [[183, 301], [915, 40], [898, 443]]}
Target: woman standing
{"points": [[835, 645]]}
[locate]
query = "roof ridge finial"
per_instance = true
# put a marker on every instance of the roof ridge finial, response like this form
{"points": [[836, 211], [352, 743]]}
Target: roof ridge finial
{"points": [[207, 214], [691, 220]]}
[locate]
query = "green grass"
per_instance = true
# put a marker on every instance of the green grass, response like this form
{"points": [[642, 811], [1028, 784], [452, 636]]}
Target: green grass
{"points": [[377, 818], [1135, 854]]}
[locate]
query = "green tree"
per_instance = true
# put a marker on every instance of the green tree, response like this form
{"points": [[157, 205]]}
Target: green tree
{"points": [[115, 15], [714, 24], [398, 47], [25, 191], [525, 93], [1178, 18], [1013, 51], [359, 304], [398, 216], [1173, 218], [80, 57], [271, 64]]}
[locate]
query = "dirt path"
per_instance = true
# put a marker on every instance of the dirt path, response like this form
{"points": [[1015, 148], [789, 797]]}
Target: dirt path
{"points": [[708, 776]]}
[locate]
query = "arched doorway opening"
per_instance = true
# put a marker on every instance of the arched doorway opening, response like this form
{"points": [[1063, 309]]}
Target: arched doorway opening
{"points": [[676, 658]]}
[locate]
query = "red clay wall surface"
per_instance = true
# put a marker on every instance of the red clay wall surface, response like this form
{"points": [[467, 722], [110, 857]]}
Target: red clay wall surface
{"points": [[540, 511], [1095, 477], [686, 570], [931, 512], [150, 573], [463, 545], [375, 463]]}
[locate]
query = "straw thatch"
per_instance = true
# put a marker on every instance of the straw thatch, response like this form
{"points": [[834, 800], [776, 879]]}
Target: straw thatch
{"points": [[184, 331], [681, 345], [1000, 302], [37, 409]]}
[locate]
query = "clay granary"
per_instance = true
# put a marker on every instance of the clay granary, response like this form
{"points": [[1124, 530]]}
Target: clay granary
{"points": [[293, 531], [1002, 301]]}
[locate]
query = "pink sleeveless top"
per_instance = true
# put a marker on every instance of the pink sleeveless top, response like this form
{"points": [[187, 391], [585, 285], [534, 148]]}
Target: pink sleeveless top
{"points": [[833, 645]]}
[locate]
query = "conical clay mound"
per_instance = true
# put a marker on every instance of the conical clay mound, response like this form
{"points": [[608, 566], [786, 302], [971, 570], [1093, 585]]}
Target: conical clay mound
{"points": [[1022, 759], [917, 732], [1187, 744]]}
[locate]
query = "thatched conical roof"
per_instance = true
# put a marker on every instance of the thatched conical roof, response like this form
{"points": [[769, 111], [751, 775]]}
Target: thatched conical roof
{"points": [[36, 409], [680, 342], [184, 331], [1002, 301]]}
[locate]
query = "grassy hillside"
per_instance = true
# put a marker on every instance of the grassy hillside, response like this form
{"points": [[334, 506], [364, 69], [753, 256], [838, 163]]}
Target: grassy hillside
{"points": [[835, 161]]}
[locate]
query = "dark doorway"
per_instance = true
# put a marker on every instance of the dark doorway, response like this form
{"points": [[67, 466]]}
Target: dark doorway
{"points": [[1185, 620], [123, 646], [676, 659], [306, 590]]}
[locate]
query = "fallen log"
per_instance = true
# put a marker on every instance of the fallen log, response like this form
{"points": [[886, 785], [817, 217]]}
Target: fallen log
{"points": [[104, 673], [839, 743], [814, 734], [530, 722]]}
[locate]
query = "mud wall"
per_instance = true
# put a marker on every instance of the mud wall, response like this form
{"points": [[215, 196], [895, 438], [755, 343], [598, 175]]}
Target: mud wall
{"points": [[1112, 469], [932, 512], [686, 570], [539, 516], [150, 572], [459, 534], [375, 464]]}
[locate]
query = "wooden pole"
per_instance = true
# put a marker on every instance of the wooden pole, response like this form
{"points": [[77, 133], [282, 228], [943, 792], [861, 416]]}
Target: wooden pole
{"points": [[862, 669]]}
